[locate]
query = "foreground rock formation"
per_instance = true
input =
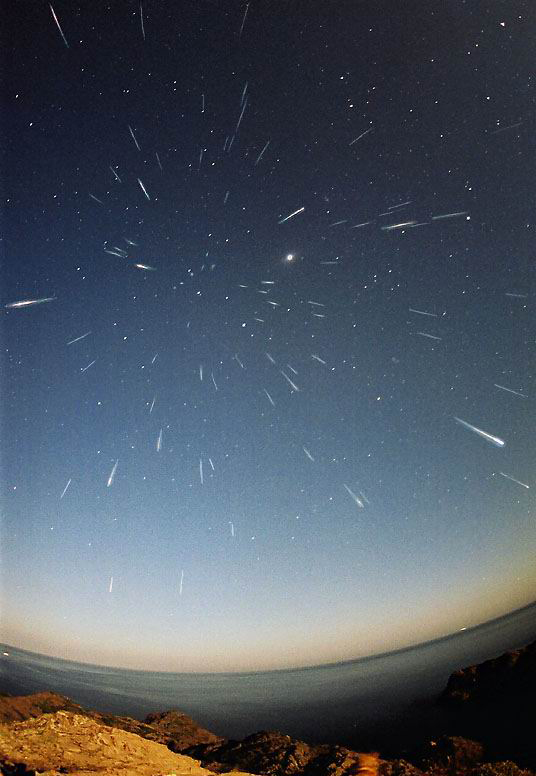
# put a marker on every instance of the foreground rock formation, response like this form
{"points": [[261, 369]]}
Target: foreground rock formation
{"points": [[171, 728], [82, 744], [275, 754], [180, 730], [65, 742]]}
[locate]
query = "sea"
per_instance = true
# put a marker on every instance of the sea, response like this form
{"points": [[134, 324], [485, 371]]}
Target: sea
{"points": [[384, 701]]}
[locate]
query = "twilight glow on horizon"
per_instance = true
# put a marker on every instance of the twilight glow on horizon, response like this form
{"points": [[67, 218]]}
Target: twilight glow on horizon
{"points": [[268, 329]]}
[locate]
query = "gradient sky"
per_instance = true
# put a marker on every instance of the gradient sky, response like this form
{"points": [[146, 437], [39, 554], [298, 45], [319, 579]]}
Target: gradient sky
{"points": [[226, 458]]}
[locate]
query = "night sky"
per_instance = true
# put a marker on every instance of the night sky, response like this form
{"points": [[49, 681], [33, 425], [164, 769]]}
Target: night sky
{"points": [[268, 336]]}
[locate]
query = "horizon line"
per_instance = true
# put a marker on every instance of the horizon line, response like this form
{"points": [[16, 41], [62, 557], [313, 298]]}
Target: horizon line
{"points": [[316, 666]]}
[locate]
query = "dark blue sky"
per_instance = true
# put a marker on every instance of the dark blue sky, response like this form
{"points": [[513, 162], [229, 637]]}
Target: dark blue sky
{"points": [[230, 439]]}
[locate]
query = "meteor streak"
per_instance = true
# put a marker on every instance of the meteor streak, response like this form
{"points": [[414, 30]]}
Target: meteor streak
{"points": [[484, 434]]}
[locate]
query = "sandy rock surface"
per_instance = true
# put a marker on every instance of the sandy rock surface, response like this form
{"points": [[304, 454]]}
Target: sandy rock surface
{"points": [[67, 742]]}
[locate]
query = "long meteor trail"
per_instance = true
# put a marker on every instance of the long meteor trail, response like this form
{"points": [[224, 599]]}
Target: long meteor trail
{"points": [[513, 479], [59, 26], [484, 434], [299, 210]]}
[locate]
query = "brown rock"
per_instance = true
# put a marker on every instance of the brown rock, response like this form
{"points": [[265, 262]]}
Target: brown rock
{"points": [[72, 743], [274, 754], [181, 730], [171, 728], [20, 707]]}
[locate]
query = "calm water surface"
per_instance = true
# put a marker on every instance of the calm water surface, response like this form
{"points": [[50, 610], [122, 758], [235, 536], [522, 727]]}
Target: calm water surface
{"points": [[355, 703]]}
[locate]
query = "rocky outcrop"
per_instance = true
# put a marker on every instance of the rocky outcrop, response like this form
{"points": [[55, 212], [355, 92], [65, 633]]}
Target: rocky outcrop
{"points": [[171, 728], [511, 674], [180, 730], [21, 707], [275, 754], [65, 742]]}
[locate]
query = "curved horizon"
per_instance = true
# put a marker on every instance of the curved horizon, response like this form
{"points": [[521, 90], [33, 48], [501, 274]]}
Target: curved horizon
{"points": [[360, 658]]}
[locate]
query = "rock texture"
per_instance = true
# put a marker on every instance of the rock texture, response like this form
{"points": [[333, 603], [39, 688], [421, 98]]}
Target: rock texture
{"points": [[181, 731], [171, 728], [65, 742], [21, 707], [275, 754]]}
